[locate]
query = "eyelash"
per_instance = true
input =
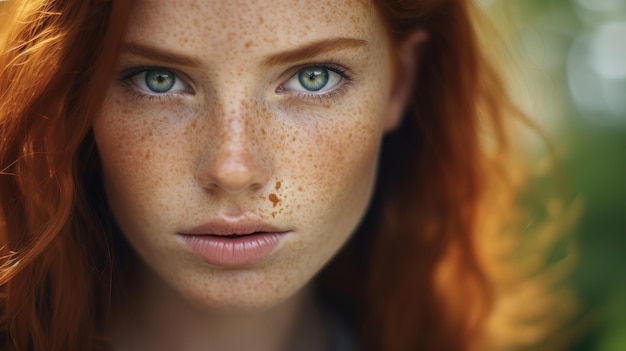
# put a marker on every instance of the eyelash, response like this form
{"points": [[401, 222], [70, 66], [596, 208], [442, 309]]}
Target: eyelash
{"points": [[346, 79], [125, 79], [343, 72]]}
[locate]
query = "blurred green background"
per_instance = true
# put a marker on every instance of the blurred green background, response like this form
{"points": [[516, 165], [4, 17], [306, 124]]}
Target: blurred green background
{"points": [[574, 54]]}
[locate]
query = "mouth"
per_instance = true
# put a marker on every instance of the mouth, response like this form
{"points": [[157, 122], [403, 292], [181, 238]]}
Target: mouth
{"points": [[238, 228], [234, 236], [233, 243]]}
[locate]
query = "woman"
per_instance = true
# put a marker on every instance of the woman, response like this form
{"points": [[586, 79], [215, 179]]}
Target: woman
{"points": [[176, 174]]}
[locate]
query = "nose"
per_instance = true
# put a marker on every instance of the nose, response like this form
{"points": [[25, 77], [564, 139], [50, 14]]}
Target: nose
{"points": [[233, 162]]}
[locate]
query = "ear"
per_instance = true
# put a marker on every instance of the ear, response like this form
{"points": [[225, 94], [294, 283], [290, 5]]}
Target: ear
{"points": [[406, 65]]}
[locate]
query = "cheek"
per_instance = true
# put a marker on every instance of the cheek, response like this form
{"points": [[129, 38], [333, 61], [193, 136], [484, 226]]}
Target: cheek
{"points": [[139, 159], [337, 154], [332, 163]]}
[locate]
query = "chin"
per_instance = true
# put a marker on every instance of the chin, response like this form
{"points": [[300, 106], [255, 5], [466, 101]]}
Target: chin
{"points": [[239, 292], [234, 302]]}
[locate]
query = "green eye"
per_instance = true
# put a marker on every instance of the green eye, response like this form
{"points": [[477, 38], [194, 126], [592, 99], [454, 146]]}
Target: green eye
{"points": [[313, 78], [160, 80], [157, 81]]}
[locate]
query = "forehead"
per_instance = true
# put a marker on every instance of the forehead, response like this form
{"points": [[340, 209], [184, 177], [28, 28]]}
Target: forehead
{"points": [[256, 25]]}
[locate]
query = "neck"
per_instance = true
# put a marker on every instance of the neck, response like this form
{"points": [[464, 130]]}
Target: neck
{"points": [[155, 317]]}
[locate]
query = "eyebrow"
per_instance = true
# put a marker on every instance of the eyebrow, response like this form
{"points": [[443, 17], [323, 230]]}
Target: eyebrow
{"points": [[306, 51], [155, 53], [313, 49]]}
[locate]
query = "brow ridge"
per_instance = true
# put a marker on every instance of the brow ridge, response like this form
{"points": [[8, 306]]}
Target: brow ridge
{"points": [[303, 52], [158, 54], [313, 49]]}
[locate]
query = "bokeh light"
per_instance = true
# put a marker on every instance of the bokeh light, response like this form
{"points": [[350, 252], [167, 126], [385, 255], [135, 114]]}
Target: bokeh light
{"points": [[574, 51]]}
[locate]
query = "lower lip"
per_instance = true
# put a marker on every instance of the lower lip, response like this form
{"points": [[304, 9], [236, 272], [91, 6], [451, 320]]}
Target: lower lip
{"points": [[226, 251]]}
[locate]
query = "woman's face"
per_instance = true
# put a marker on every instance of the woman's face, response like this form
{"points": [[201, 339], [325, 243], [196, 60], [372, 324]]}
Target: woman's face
{"points": [[239, 140]]}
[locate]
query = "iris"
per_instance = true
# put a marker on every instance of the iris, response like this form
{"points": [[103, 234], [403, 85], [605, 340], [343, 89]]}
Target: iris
{"points": [[160, 80], [313, 78]]}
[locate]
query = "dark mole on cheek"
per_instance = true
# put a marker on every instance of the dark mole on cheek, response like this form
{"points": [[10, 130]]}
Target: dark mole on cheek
{"points": [[274, 199]]}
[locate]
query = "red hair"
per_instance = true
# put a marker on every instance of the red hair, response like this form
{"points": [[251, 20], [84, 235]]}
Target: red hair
{"points": [[426, 286], [420, 279], [56, 59]]}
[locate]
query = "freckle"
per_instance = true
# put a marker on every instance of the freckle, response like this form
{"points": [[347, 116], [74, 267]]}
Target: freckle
{"points": [[278, 184], [274, 199], [300, 189], [263, 131]]}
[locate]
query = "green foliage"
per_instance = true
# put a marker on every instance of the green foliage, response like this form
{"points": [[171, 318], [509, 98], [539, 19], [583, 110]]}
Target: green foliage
{"points": [[592, 145]]}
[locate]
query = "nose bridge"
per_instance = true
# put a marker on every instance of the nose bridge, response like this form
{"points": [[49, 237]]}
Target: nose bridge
{"points": [[234, 162], [232, 131]]}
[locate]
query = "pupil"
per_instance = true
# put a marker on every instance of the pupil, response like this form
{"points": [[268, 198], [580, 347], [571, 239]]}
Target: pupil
{"points": [[313, 78], [160, 80]]}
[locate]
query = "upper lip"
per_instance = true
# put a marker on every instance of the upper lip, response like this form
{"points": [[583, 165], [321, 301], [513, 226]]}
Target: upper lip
{"points": [[226, 227]]}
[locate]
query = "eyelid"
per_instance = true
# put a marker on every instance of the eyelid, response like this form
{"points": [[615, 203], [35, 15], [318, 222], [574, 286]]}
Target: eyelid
{"points": [[342, 71], [126, 75]]}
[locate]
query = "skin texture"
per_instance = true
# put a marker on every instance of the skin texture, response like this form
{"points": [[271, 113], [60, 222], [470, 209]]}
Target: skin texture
{"points": [[239, 142]]}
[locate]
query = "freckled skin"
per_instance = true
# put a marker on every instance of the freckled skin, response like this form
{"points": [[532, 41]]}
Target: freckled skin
{"points": [[237, 146], [274, 199]]}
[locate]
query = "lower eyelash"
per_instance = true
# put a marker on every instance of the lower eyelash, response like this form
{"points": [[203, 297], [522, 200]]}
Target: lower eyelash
{"points": [[328, 96], [346, 81], [139, 96], [134, 93], [124, 80]]}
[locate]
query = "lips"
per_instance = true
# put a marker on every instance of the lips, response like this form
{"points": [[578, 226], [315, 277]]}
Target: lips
{"points": [[233, 243], [230, 228]]}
